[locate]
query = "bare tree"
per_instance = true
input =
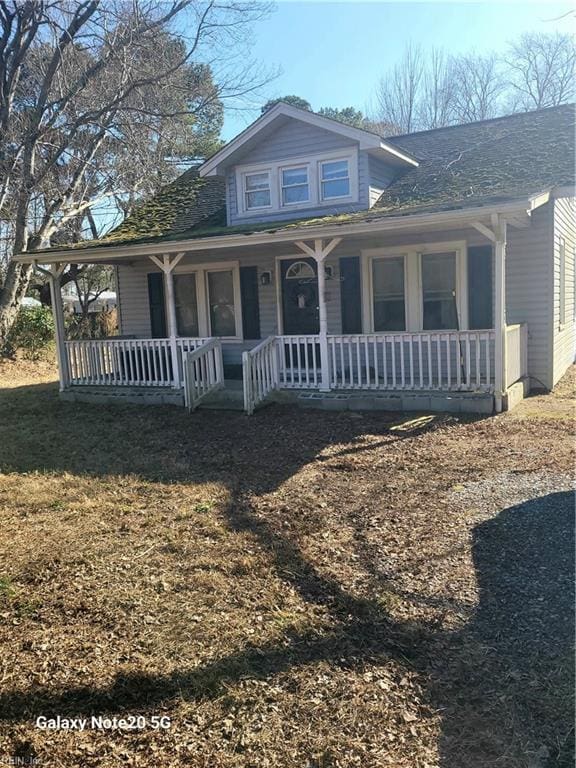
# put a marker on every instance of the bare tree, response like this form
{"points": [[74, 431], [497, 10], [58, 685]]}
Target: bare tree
{"points": [[478, 87], [540, 70], [78, 80], [436, 103], [91, 283], [398, 92]]}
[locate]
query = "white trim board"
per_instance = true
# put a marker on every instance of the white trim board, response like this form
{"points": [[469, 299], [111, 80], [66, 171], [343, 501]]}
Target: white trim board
{"points": [[366, 140], [286, 234]]}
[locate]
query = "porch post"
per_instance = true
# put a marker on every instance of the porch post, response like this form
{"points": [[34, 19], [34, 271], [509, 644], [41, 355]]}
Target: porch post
{"points": [[500, 314], [54, 273], [167, 266], [323, 318], [319, 253]]}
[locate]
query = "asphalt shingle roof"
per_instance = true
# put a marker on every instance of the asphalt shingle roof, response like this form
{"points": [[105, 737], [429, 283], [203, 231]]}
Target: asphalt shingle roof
{"points": [[461, 166]]}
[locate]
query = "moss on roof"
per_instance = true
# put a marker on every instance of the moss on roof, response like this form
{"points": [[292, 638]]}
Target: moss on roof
{"points": [[464, 166], [179, 207]]}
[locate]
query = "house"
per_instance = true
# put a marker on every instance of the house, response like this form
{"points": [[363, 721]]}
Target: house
{"points": [[433, 270]]}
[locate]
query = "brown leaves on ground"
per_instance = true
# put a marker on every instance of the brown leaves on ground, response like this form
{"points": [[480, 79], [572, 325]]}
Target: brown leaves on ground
{"points": [[294, 590]]}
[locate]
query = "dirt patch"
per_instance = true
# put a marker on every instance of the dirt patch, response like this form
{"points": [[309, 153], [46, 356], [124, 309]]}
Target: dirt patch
{"points": [[559, 404], [292, 589]]}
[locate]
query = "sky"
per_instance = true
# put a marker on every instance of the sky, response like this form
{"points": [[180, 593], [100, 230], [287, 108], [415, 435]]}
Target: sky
{"points": [[334, 53]]}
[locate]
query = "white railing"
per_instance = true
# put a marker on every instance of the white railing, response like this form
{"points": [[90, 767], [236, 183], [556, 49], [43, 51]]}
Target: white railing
{"points": [[203, 372], [261, 372], [516, 352], [454, 361], [299, 362], [125, 362]]}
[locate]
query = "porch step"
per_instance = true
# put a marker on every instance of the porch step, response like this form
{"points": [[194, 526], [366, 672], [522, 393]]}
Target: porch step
{"points": [[230, 398]]}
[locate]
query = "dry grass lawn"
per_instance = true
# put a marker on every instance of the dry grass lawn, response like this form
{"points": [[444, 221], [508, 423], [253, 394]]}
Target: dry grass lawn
{"points": [[293, 590]]}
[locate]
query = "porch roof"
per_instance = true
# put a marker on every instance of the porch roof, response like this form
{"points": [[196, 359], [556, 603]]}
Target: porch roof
{"points": [[515, 212]]}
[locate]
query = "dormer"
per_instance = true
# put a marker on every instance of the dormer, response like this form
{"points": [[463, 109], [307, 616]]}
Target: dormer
{"points": [[294, 164]]}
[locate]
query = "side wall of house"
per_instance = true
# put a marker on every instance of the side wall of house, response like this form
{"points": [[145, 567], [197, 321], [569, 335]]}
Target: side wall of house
{"points": [[529, 289], [564, 328]]}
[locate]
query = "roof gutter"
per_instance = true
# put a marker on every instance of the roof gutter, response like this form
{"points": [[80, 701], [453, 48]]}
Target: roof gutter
{"points": [[391, 224]]}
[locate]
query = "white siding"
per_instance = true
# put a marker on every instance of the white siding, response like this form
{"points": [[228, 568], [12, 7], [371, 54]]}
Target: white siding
{"points": [[380, 176], [564, 333], [529, 290]]}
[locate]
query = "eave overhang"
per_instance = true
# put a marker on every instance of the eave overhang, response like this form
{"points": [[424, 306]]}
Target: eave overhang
{"points": [[279, 114], [515, 212]]}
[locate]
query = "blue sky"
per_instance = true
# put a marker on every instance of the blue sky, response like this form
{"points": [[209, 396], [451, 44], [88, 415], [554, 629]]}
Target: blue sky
{"points": [[333, 54]]}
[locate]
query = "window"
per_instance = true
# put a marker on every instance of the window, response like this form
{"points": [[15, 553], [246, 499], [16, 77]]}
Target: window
{"points": [[388, 291], [186, 301], [562, 265], [257, 190], [292, 183], [439, 291], [334, 179], [295, 188], [221, 303], [300, 270]]}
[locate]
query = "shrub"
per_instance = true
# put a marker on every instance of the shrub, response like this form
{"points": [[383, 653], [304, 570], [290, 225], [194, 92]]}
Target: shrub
{"points": [[32, 332]]}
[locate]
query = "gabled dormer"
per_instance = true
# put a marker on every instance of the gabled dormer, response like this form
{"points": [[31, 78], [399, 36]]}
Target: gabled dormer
{"points": [[294, 164]]}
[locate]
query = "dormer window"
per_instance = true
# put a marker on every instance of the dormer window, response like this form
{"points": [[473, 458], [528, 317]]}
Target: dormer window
{"points": [[257, 191], [301, 183], [295, 185], [335, 179]]}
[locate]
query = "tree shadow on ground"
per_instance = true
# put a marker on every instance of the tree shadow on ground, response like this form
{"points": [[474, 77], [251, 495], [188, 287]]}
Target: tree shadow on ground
{"points": [[503, 683]]}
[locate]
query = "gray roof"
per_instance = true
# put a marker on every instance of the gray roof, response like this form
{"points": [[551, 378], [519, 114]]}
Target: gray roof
{"points": [[461, 166]]}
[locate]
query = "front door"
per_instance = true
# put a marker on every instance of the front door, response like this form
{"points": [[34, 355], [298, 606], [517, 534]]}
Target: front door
{"points": [[299, 296]]}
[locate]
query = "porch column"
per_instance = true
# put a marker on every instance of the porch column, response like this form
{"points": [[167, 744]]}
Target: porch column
{"points": [[319, 253], [54, 273], [167, 265], [500, 314]]}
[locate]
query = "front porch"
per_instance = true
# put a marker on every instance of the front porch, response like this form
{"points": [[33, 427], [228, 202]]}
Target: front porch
{"points": [[425, 363], [417, 310]]}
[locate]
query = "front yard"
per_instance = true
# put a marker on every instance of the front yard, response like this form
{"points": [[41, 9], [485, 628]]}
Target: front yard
{"points": [[293, 590]]}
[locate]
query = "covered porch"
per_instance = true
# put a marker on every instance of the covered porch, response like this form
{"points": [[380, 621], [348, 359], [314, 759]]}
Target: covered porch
{"points": [[414, 307]]}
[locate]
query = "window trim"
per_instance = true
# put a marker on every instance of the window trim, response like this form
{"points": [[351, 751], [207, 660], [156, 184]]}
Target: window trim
{"points": [[322, 181], [202, 271], [283, 186], [381, 257], [312, 162], [246, 191], [414, 298]]}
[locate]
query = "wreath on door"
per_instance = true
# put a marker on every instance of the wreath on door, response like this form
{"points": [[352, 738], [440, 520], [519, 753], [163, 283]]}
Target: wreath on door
{"points": [[302, 295]]}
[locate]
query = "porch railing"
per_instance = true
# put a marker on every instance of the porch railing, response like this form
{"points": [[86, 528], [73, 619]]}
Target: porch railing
{"points": [[261, 372], [125, 362], [299, 362], [453, 361], [516, 352], [203, 372]]}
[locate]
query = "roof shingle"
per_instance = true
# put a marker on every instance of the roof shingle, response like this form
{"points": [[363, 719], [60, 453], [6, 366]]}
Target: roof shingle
{"points": [[461, 166]]}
